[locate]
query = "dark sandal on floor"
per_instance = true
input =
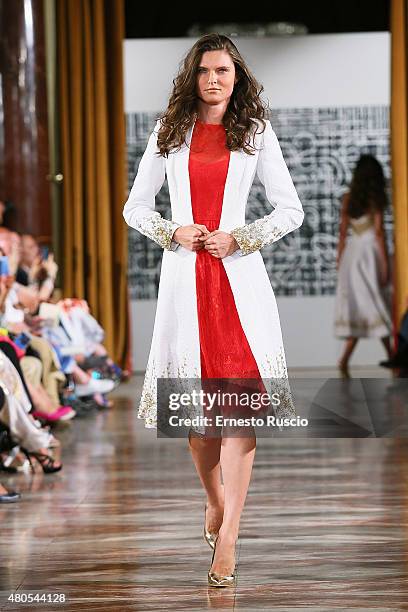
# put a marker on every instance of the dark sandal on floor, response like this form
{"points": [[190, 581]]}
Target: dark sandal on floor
{"points": [[46, 461]]}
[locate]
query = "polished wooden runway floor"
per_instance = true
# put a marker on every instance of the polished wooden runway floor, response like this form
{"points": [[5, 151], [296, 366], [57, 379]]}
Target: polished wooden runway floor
{"points": [[325, 526]]}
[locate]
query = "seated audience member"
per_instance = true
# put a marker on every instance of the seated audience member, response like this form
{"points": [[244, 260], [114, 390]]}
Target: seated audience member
{"points": [[33, 288], [52, 374], [85, 383], [30, 371], [34, 271], [81, 327], [12, 318], [18, 321], [6, 496], [43, 362], [40, 274], [33, 440], [85, 331], [76, 318]]}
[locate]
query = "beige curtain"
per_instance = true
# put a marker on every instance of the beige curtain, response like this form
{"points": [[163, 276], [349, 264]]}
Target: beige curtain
{"points": [[399, 149], [90, 34]]}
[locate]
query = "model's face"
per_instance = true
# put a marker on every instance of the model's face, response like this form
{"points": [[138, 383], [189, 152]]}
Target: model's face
{"points": [[215, 77]]}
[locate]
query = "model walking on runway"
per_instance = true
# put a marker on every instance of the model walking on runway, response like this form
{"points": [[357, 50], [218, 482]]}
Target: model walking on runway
{"points": [[363, 304], [216, 311]]}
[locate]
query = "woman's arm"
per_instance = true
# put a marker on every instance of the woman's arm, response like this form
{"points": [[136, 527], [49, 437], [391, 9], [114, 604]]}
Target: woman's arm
{"points": [[5, 286], [138, 210], [344, 221], [27, 298], [280, 191], [46, 287], [380, 235]]}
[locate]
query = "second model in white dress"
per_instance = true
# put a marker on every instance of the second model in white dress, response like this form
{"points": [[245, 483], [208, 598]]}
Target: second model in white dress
{"points": [[362, 306]]}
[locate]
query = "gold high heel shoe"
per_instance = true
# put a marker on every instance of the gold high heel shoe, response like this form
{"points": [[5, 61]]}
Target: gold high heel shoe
{"points": [[209, 537], [217, 580]]}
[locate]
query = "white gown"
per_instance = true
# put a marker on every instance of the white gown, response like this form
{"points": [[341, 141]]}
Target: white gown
{"points": [[362, 306]]}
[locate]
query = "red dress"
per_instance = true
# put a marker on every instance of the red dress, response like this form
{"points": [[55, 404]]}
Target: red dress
{"points": [[224, 349]]}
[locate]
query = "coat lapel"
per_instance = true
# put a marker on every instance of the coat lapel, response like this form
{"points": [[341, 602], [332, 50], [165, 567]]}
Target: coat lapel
{"points": [[231, 202]]}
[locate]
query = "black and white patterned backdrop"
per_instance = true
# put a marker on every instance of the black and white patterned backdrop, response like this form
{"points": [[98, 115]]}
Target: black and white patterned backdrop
{"points": [[320, 147]]}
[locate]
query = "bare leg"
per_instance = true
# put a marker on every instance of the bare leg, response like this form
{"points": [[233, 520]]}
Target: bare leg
{"points": [[80, 376], [349, 347], [3, 490], [387, 345], [46, 451], [237, 457], [42, 401], [100, 350], [205, 452]]}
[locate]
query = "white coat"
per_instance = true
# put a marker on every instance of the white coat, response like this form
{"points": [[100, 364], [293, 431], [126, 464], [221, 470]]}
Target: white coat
{"points": [[175, 348]]}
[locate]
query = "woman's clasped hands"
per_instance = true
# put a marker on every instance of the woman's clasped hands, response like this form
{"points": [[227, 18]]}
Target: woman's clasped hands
{"points": [[196, 237]]}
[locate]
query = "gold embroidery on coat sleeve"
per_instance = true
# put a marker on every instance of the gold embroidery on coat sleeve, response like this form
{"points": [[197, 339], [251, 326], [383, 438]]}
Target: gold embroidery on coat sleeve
{"points": [[260, 233], [158, 229]]}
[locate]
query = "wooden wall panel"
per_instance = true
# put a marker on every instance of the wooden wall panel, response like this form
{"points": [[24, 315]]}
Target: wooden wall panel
{"points": [[24, 130]]}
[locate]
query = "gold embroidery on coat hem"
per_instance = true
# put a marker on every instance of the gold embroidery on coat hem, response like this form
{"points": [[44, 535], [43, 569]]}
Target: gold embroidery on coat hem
{"points": [[361, 324], [275, 367]]}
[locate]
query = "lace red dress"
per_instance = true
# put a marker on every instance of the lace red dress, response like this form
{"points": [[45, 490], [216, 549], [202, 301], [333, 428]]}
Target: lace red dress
{"points": [[224, 349]]}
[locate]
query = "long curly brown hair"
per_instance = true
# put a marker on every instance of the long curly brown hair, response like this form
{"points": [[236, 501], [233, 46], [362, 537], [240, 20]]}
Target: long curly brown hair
{"points": [[367, 188], [244, 105]]}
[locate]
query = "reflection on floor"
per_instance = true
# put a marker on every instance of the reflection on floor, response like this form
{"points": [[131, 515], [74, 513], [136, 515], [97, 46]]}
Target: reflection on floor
{"points": [[119, 528]]}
